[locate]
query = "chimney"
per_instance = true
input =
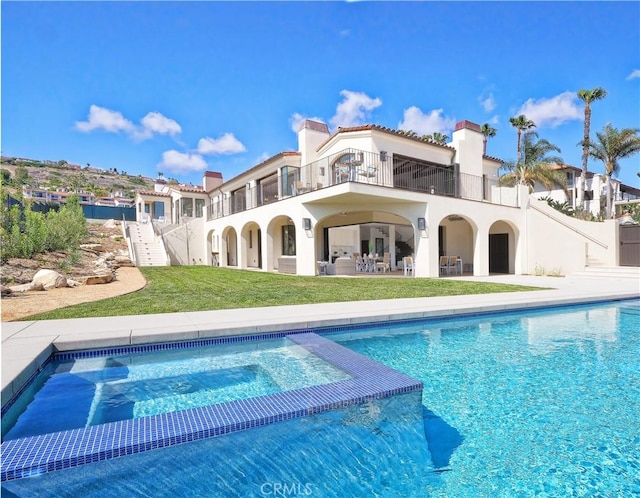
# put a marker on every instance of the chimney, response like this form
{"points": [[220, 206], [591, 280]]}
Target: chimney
{"points": [[211, 180], [310, 136]]}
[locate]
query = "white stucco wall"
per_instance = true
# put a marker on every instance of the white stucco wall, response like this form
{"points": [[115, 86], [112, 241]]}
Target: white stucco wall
{"points": [[562, 243], [186, 244]]}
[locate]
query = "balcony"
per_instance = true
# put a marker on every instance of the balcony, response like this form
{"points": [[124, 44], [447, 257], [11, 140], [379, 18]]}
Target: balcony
{"points": [[358, 166]]}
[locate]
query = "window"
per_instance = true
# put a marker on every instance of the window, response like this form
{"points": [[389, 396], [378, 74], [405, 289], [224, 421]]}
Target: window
{"points": [[239, 200], [199, 207], [588, 195], [288, 240], [290, 175], [187, 207]]}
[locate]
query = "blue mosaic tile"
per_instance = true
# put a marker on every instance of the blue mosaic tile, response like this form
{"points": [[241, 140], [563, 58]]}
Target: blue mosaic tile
{"points": [[49, 452]]}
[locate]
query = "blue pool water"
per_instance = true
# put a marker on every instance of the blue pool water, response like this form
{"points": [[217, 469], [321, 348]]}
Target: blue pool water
{"points": [[542, 403], [84, 392]]}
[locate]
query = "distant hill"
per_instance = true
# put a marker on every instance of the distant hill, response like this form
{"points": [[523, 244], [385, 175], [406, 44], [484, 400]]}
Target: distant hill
{"points": [[62, 175]]}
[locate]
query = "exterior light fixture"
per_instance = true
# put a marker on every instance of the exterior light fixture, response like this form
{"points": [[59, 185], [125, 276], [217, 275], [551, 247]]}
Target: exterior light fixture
{"points": [[306, 223], [422, 224], [383, 155]]}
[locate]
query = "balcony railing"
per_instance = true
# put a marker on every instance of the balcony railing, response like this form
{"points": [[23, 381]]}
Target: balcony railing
{"points": [[358, 166]]}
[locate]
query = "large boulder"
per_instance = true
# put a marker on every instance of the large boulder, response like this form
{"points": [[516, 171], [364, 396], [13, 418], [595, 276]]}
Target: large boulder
{"points": [[5, 291], [50, 279]]}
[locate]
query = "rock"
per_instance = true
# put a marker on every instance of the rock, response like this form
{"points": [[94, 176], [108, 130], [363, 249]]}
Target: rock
{"points": [[73, 283], [50, 279], [99, 279], [31, 286], [123, 261], [5, 291], [95, 248], [110, 224]]}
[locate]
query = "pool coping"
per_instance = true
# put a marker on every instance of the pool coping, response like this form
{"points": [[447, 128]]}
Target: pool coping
{"points": [[369, 380]]}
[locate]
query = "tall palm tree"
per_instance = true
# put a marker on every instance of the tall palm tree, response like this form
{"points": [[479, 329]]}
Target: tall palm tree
{"points": [[611, 146], [537, 167], [522, 124], [489, 132], [587, 96]]}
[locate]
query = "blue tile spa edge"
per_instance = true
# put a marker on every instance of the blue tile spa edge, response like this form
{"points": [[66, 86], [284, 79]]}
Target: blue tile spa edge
{"points": [[48, 452]]}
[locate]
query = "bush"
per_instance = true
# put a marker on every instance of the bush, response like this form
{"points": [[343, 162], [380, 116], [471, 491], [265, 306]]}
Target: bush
{"points": [[25, 232]]}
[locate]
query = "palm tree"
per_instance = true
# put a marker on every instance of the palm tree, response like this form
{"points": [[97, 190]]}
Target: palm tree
{"points": [[521, 123], [611, 146], [489, 132], [437, 137], [537, 167], [587, 96]]}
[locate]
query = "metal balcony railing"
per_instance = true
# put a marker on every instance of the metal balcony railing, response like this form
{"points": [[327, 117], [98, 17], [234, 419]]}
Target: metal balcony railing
{"points": [[358, 166]]}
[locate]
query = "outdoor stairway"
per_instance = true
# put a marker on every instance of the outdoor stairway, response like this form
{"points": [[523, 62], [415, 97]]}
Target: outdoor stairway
{"points": [[148, 248], [610, 271]]}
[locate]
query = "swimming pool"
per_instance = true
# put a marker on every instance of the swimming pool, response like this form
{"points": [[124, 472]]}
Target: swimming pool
{"points": [[542, 402]]}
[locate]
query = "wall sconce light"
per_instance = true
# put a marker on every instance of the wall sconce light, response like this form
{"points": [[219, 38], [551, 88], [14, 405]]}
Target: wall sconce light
{"points": [[422, 224], [383, 156], [306, 223]]}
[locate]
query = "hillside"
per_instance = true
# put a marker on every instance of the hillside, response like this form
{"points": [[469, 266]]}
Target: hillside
{"points": [[62, 175]]}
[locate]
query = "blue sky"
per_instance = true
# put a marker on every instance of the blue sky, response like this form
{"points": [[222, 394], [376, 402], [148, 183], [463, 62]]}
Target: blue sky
{"points": [[186, 87]]}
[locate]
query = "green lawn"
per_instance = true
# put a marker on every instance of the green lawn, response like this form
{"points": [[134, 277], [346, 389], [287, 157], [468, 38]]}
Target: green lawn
{"points": [[200, 288]]}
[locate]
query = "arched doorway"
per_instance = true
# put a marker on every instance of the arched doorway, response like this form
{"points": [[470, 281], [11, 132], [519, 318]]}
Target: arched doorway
{"points": [[456, 238], [229, 250], [252, 236], [502, 248]]}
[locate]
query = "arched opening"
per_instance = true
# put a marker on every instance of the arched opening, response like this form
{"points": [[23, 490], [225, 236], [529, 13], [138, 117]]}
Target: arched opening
{"points": [[502, 248], [229, 249], [252, 238], [456, 244], [281, 245]]}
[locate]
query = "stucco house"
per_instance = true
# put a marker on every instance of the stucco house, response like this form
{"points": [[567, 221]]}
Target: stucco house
{"points": [[371, 189], [595, 198]]}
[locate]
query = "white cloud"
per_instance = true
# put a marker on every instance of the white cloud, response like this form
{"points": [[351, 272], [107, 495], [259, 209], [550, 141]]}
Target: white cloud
{"points": [[354, 109], [634, 74], [106, 119], [181, 162], [226, 144], [297, 119], [554, 111], [488, 103], [415, 120], [154, 123]]}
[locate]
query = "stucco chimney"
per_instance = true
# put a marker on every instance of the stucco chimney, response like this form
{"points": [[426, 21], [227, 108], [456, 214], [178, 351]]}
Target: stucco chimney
{"points": [[211, 180], [310, 136], [468, 141]]}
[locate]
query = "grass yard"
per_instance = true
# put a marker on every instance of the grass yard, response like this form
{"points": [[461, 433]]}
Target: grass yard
{"points": [[201, 288]]}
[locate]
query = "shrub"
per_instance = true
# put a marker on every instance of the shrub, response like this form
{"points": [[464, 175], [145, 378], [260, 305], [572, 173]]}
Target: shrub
{"points": [[25, 232]]}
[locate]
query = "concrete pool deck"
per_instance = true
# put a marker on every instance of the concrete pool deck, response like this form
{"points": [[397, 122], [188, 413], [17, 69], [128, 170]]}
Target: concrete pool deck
{"points": [[27, 345]]}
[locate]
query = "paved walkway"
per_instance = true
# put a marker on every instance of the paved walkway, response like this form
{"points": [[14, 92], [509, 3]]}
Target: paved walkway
{"points": [[26, 345]]}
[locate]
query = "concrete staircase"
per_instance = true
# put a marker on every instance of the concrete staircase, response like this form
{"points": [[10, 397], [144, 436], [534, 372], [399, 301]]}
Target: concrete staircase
{"points": [[148, 248], [611, 272]]}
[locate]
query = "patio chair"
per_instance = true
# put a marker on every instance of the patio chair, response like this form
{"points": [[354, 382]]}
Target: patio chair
{"points": [[453, 264], [444, 265], [407, 264], [385, 264]]}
